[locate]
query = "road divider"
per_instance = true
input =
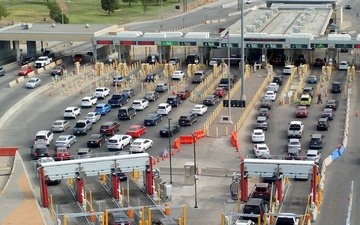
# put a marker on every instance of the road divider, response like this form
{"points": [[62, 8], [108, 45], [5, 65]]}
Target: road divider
{"points": [[284, 93], [20, 79], [12, 83], [199, 134], [31, 74], [38, 71], [187, 139]]}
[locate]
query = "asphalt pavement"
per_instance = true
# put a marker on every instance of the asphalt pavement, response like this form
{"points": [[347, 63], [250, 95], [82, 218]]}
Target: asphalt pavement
{"points": [[342, 171]]}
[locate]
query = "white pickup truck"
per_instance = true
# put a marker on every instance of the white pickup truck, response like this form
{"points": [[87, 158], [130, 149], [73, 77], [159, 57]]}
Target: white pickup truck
{"points": [[287, 218], [42, 61]]}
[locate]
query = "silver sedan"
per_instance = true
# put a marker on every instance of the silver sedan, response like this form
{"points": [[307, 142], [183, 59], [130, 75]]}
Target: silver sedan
{"points": [[65, 141], [33, 83], [60, 125], [93, 117]]}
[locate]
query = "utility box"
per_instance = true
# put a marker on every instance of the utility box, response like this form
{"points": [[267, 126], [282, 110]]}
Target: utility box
{"points": [[189, 173]]}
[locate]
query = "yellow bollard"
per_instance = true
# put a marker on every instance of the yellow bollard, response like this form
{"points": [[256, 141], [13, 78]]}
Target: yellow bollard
{"points": [[149, 216], [259, 220], [140, 223], [217, 132], [301, 220], [222, 219], [179, 221], [146, 222], [143, 215], [264, 219], [70, 181], [91, 202], [184, 215], [52, 207], [65, 220]]}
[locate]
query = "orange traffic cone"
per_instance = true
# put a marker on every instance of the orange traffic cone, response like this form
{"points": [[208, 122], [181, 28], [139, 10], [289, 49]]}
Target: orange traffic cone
{"points": [[158, 159], [172, 152], [162, 157]]}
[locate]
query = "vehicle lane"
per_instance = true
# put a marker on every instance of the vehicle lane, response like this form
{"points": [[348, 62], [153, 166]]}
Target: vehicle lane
{"points": [[43, 111], [276, 137], [341, 172]]}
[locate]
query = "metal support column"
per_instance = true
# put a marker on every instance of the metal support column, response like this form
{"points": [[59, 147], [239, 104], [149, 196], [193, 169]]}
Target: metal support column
{"points": [[243, 183], [115, 186], [314, 184], [43, 189], [279, 187], [149, 177]]}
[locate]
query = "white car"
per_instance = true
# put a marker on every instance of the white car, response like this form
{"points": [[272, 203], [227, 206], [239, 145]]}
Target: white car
{"points": [[163, 109], [178, 75], [65, 141], [271, 95], [44, 137], [60, 125], [273, 87], [343, 65], [141, 145], [42, 160], [101, 92], [93, 116], [313, 155], [42, 61], [294, 145], [287, 69], [140, 104], [258, 135], [33, 83], [260, 149], [88, 101], [200, 109], [72, 112], [119, 141]]}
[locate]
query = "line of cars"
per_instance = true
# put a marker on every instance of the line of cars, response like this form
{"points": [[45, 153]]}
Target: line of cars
{"points": [[295, 128], [109, 128]]}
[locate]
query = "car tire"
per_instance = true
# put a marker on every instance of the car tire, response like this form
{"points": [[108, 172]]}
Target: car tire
{"points": [[121, 147], [99, 144]]}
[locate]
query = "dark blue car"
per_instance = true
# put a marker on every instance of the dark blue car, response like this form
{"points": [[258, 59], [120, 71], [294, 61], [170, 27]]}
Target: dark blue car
{"points": [[102, 108], [152, 119], [312, 79]]}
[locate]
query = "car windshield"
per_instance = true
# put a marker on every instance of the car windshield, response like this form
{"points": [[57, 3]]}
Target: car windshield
{"points": [[284, 221], [315, 139], [112, 141], [31, 81], [151, 116], [294, 127], [80, 125], [257, 133], [294, 143], [161, 107], [311, 155], [248, 209], [262, 148], [136, 143], [116, 96], [99, 107], [58, 123], [133, 129]]}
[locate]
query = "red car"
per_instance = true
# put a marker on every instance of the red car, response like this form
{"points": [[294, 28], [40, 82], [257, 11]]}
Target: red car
{"points": [[302, 111], [78, 58], [25, 70], [136, 131], [109, 128], [220, 92], [62, 153], [183, 94]]}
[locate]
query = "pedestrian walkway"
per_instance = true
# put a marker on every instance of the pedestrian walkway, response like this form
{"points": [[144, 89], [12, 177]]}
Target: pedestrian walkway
{"points": [[17, 202], [252, 85]]}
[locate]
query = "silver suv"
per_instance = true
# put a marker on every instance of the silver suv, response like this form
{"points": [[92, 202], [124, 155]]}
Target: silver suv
{"points": [[82, 127], [2, 71]]}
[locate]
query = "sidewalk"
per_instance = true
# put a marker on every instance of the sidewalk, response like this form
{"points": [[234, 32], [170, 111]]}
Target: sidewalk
{"points": [[17, 202], [252, 85]]}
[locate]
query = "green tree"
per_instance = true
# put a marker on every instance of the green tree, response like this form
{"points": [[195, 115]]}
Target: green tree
{"points": [[129, 1], [56, 14], [3, 12], [110, 5], [145, 4]]}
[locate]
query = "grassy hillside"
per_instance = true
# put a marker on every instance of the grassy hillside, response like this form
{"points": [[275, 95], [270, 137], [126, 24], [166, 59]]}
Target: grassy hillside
{"points": [[85, 11]]}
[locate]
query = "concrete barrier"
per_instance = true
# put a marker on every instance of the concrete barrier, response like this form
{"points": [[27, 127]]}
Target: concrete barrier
{"points": [[52, 64], [175, 170], [31, 74], [48, 67], [40, 70], [20, 79], [12, 83], [59, 61], [214, 172], [6, 170]]}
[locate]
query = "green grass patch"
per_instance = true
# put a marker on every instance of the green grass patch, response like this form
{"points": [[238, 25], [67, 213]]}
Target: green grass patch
{"points": [[86, 11]]}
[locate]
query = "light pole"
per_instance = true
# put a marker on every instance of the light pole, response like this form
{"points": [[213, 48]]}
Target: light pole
{"points": [[169, 119], [162, 9], [243, 96], [195, 176]]}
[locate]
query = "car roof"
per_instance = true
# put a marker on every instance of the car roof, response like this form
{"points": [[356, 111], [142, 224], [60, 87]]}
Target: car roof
{"points": [[261, 145], [187, 114], [71, 108], [42, 132], [312, 151], [140, 140], [305, 96], [64, 136], [101, 104], [108, 123], [263, 109], [328, 110], [331, 101], [307, 88], [296, 122], [258, 130], [336, 82], [294, 140], [262, 185], [83, 150], [316, 135], [261, 118], [163, 104], [116, 136]]}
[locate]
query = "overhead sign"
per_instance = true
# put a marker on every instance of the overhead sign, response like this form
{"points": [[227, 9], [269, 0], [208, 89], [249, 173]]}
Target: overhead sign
{"points": [[273, 46], [146, 42], [299, 46], [127, 42], [319, 45], [169, 43], [211, 44], [254, 45], [265, 39], [187, 43], [343, 46], [104, 42], [229, 45]]}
